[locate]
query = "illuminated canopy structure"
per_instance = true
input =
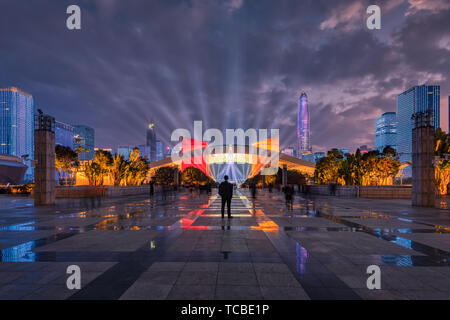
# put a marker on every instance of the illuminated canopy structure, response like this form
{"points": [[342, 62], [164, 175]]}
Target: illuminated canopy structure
{"points": [[237, 161]]}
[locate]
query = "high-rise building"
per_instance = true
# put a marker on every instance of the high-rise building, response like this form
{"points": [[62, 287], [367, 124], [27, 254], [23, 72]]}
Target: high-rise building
{"points": [[17, 126], [86, 138], [386, 131], [423, 98], [159, 150], [151, 141], [64, 134], [303, 138]]}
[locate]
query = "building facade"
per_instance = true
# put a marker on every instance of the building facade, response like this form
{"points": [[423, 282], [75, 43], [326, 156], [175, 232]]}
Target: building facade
{"points": [[303, 126], [17, 127], [425, 98], [64, 134], [386, 131], [151, 141], [86, 138], [159, 150]]}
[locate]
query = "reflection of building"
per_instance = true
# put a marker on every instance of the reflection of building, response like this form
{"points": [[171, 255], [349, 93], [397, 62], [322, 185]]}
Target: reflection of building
{"points": [[318, 156], [17, 126], [64, 134], [386, 131], [159, 150], [151, 141], [86, 136], [416, 99], [303, 125]]}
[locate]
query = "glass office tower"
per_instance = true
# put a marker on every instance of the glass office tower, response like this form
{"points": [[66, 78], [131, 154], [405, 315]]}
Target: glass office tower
{"points": [[386, 131], [64, 134], [416, 99], [86, 136], [17, 127]]}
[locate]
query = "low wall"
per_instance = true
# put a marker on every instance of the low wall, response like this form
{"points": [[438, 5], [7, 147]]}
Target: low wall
{"points": [[385, 192], [103, 191]]}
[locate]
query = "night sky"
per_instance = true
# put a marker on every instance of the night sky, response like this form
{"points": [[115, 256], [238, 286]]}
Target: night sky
{"points": [[235, 63]]}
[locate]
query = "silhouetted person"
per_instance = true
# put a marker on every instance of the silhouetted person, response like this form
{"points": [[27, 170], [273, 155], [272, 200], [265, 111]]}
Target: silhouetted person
{"points": [[288, 194], [333, 187], [253, 189], [270, 187], [152, 189], [226, 192]]}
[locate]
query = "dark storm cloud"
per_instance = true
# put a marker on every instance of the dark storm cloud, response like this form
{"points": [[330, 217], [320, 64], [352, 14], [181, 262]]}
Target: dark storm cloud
{"points": [[229, 63]]}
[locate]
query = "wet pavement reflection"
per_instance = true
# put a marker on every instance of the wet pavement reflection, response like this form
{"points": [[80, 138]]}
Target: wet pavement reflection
{"points": [[318, 249]]}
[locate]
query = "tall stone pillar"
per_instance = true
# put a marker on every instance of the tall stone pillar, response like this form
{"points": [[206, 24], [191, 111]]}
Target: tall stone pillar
{"points": [[423, 145], [284, 175], [176, 178], [44, 152]]}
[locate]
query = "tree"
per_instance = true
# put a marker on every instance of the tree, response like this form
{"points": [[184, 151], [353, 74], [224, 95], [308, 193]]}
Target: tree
{"points": [[79, 149], [118, 169], [195, 176], [104, 160], [442, 169], [65, 162], [164, 176]]}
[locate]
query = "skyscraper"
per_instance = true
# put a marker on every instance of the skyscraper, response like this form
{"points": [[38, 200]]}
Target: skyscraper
{"points": [[416, 99], [86, 136], [386, 131], [151, 141], [17, 126], [303, 126]]}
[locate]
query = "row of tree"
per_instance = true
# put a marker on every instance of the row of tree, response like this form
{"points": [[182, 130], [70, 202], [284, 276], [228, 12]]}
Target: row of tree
{"points": [[190, 176], [371, 168], [293, 177], [130, 172]]}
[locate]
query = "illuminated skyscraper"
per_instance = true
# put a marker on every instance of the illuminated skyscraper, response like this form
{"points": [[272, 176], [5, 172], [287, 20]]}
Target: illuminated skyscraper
{"points": [[303, 126], [17, 126], [151, 141], [416, 99]]}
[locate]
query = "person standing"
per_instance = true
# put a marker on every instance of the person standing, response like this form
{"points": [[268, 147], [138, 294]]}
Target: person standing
{"points": [[226, 193]]}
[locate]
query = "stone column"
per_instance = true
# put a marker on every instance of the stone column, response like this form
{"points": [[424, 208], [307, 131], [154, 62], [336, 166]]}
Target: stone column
{"points": [[44, 152], [177, 177], [423, 145], [284, 175]]}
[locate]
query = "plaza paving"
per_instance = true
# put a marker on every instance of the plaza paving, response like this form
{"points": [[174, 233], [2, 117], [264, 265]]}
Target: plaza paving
{"points": [[178, 247]]}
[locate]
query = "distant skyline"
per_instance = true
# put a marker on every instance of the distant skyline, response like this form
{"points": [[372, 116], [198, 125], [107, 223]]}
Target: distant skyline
{"points": [[232, 64]]}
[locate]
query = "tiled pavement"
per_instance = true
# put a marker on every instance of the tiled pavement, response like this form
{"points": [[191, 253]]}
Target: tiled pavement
{"points": [[180, 248]]}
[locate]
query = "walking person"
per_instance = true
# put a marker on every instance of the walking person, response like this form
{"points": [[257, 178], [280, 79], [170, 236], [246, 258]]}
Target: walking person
{"points": [[288, 194], [253, 188], [226, 192]]}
